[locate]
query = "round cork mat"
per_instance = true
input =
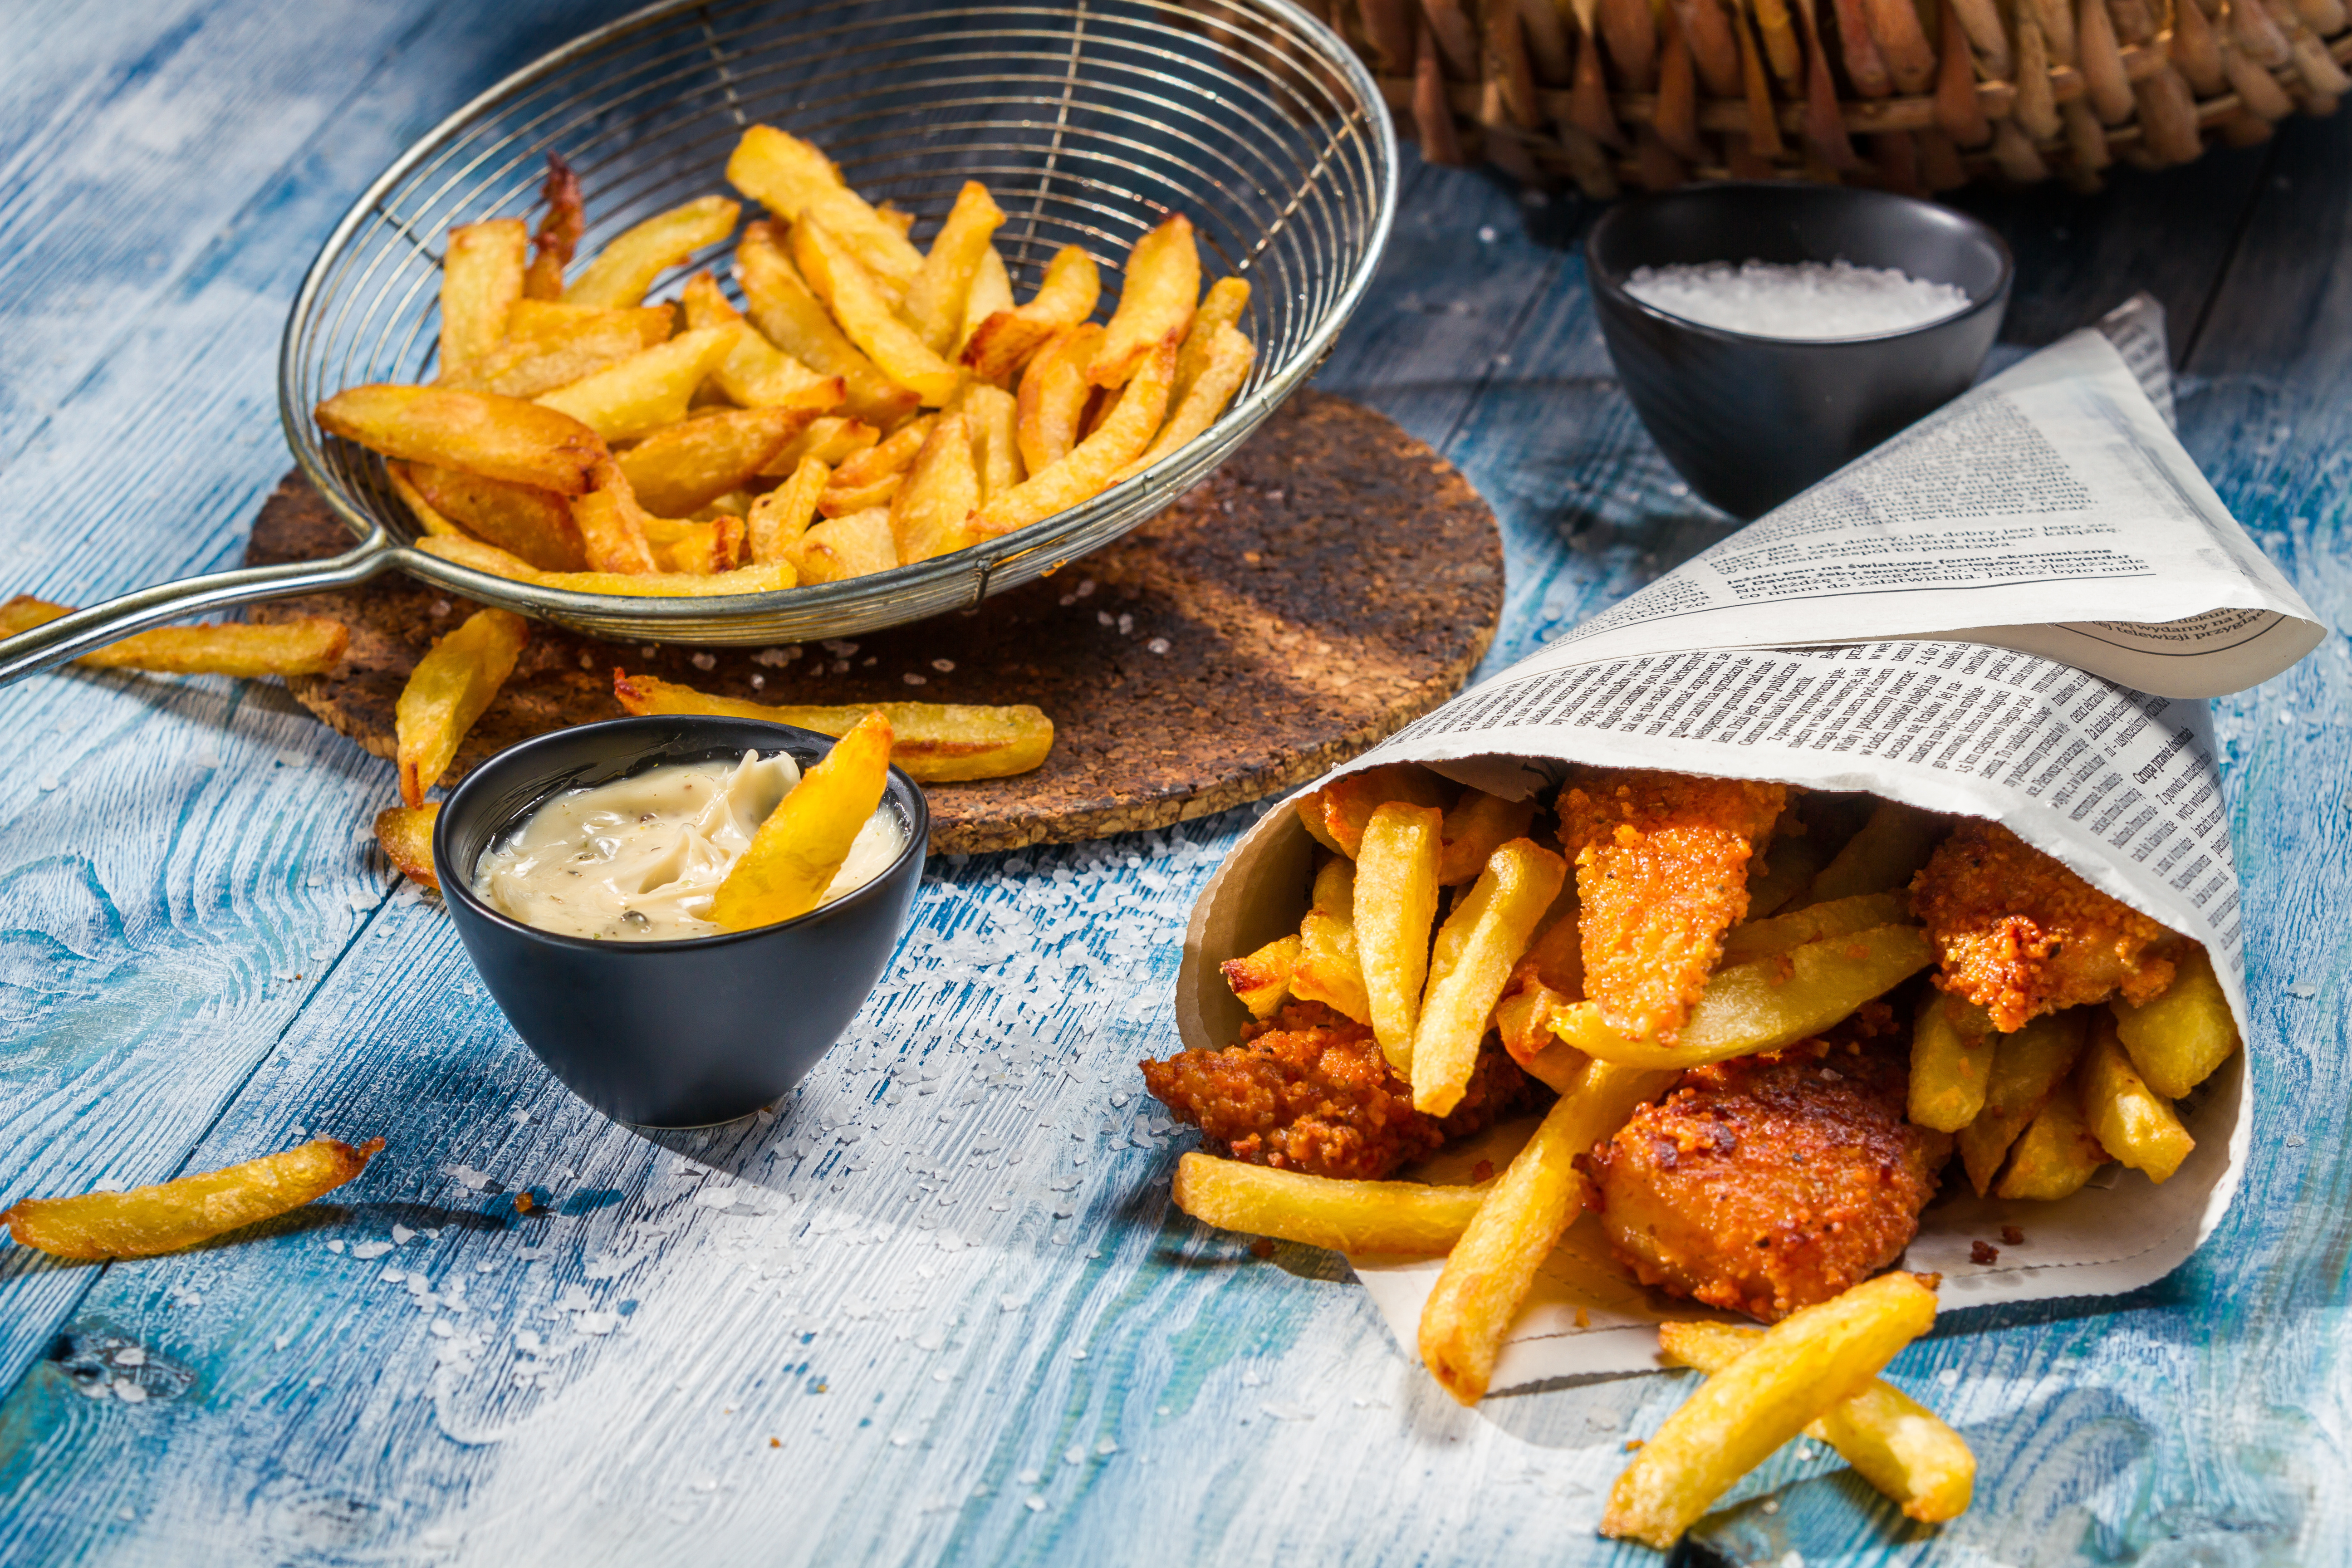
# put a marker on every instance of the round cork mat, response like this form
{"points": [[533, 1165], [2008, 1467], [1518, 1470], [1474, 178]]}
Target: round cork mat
{"points": [[1332, 580]]}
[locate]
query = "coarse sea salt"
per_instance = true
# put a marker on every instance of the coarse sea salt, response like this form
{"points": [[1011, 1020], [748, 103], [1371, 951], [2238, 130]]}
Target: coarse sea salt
{"points": [[1806, 299]]}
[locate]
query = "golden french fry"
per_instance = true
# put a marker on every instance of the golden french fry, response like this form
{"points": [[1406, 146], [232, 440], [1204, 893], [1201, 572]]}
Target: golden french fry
{"points": [[1800, 1368], [1765, 1003], [935, 300], [863, 311], [522, 519], [2028, 1067], [1093, 464], [1328, 970], [897, 217], [793, 319], [170, 1216], [1892, 1441], [1839, 917], [1476, 948], [1523, 1019], [1054, 393], [990, 291], [559, 231], [1321, 1211], [2055, 1154], [1310, 807], [1222, 306], [406, 835], [481, 277], [757, 373], [780, 517], [1478, 824], [612, 527], [543, 351], [1396, 899], [1489, 1270], [931, 514], [800, 849], [448, 690], [790, 177], [935, 742], [2132, 1122], [854, 544], [1789, 864], [501, 437], [880, 460], [651, 388], [1230, 359], [428, 517], [2178, 1037], [1893, 844], [831, 440], [702, 548], [994, 417], [679, 469], [548, 322], [1951, 1062], [1262, 979], [308, 644], [1346, 803], [621, 272], [839, 500], [765, 578], [1066, 297], [1158, 292]]}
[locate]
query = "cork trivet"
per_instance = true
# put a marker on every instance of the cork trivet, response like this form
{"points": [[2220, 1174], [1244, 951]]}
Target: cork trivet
{"points": [[1333, 580]]}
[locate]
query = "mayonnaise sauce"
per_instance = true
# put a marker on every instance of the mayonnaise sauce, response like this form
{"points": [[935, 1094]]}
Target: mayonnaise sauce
{"points": [[639, 860]]}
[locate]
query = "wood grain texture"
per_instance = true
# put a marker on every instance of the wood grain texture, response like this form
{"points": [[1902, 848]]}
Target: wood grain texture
{"points": [[1333, 580], [918, 1362]]}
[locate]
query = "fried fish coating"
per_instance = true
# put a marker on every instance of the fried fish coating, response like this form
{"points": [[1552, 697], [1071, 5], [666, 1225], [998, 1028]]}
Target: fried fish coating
{"points": [[2021, 935], [1310, 1090], [1767, 1183], [1662, 871]]}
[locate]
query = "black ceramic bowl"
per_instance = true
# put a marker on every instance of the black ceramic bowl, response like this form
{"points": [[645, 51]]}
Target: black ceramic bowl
{"points": [[1750, 421], [671, 1033]]}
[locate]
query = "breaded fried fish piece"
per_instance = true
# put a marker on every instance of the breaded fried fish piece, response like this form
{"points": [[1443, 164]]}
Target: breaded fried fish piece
{"points": [[2021, 935], [1662, 873]]}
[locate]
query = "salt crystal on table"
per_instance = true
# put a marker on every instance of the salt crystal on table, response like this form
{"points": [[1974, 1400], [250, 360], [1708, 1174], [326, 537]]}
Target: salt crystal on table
{"points": [[1809, 300]]}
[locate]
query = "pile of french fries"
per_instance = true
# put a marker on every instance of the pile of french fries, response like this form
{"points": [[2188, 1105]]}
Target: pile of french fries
{"points": [[2036, 1113], [870, 407]]}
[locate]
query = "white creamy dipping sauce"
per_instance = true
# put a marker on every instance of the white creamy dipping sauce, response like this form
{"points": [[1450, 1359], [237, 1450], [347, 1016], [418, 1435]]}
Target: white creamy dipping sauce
{"points": [[640, 859]]}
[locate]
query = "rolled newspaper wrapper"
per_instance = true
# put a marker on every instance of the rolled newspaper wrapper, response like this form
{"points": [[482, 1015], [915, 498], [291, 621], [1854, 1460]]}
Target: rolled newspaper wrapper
{"points": [[1940, 564]]}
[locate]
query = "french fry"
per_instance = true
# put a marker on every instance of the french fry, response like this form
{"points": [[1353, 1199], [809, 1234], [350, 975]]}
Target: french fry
{"points": [[481, 277], [2055, 1154], [1788, 867], [548, 321], [1892, 1441], [685, 466], [1409, 1218], [789, 316], [703, 548], [542, 352], [1396, 899], [2027, 1069], [2132, 1121], [169, 1216], [994, 417], [799, 849], [1231, 356], [448, 690], [1328, 970], [1765, 1003], [843, 500], [1488, 1271], [1523, 1019], [558, 235], [1951, 1062], [2179, 1036], [613, 526], [308, 644], [649, 389], [1475, 950], [428, 517], [992, 290], [621, 272], [832, 440], [1803, 1366], [1346, 803], [896, 217], [522, 519], [1262, 979], [501, 437], [405, 835], [790, 177], [1066, 297], [882, 459], [935, 300], [780, 518], [1158, 292], [1839, 917], [854, 544], [766, 578], [1222, 306], [757, 373], [1478, 824], [1095, 463], [934, 743], [931, 512], [1054, 393], [1893, 844], [866, 314]]}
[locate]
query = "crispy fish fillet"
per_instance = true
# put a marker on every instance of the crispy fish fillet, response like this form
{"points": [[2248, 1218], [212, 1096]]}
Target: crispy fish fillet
{"points": [[1662, 870], [1310, 1090], [1767, 1183], [2021, 935]]}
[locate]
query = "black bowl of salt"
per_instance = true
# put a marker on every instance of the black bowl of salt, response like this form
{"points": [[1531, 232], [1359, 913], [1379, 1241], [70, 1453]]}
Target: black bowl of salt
{"points": [[1770, 334]]}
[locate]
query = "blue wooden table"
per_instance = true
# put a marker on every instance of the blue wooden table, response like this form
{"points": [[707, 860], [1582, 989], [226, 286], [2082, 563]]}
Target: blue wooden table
{"points": [[937, 1307]]}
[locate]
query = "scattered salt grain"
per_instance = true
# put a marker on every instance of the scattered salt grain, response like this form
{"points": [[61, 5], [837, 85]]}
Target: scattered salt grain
{"points": [[2301, 989], [705, 661], [110, 1185], [129, 1356], [370, 1249], [1950, 1377], [1807, 299], [402, 1236], [912, 679], [130, 1393], [334, 1246]]}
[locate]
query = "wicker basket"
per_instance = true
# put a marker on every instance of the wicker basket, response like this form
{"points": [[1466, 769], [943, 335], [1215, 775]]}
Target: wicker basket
{"points": [[1913, 95]]}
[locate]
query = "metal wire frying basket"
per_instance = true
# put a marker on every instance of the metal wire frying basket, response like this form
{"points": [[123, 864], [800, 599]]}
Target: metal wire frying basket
{"points": [[1088, 119]]}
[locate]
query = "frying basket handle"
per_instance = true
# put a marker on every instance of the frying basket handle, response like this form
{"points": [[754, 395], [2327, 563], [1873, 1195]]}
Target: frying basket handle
{"points": [[70, 636]]}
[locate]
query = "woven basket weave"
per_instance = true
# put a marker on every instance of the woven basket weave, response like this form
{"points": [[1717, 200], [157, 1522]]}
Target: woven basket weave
{"points": [[1913, 95]]}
